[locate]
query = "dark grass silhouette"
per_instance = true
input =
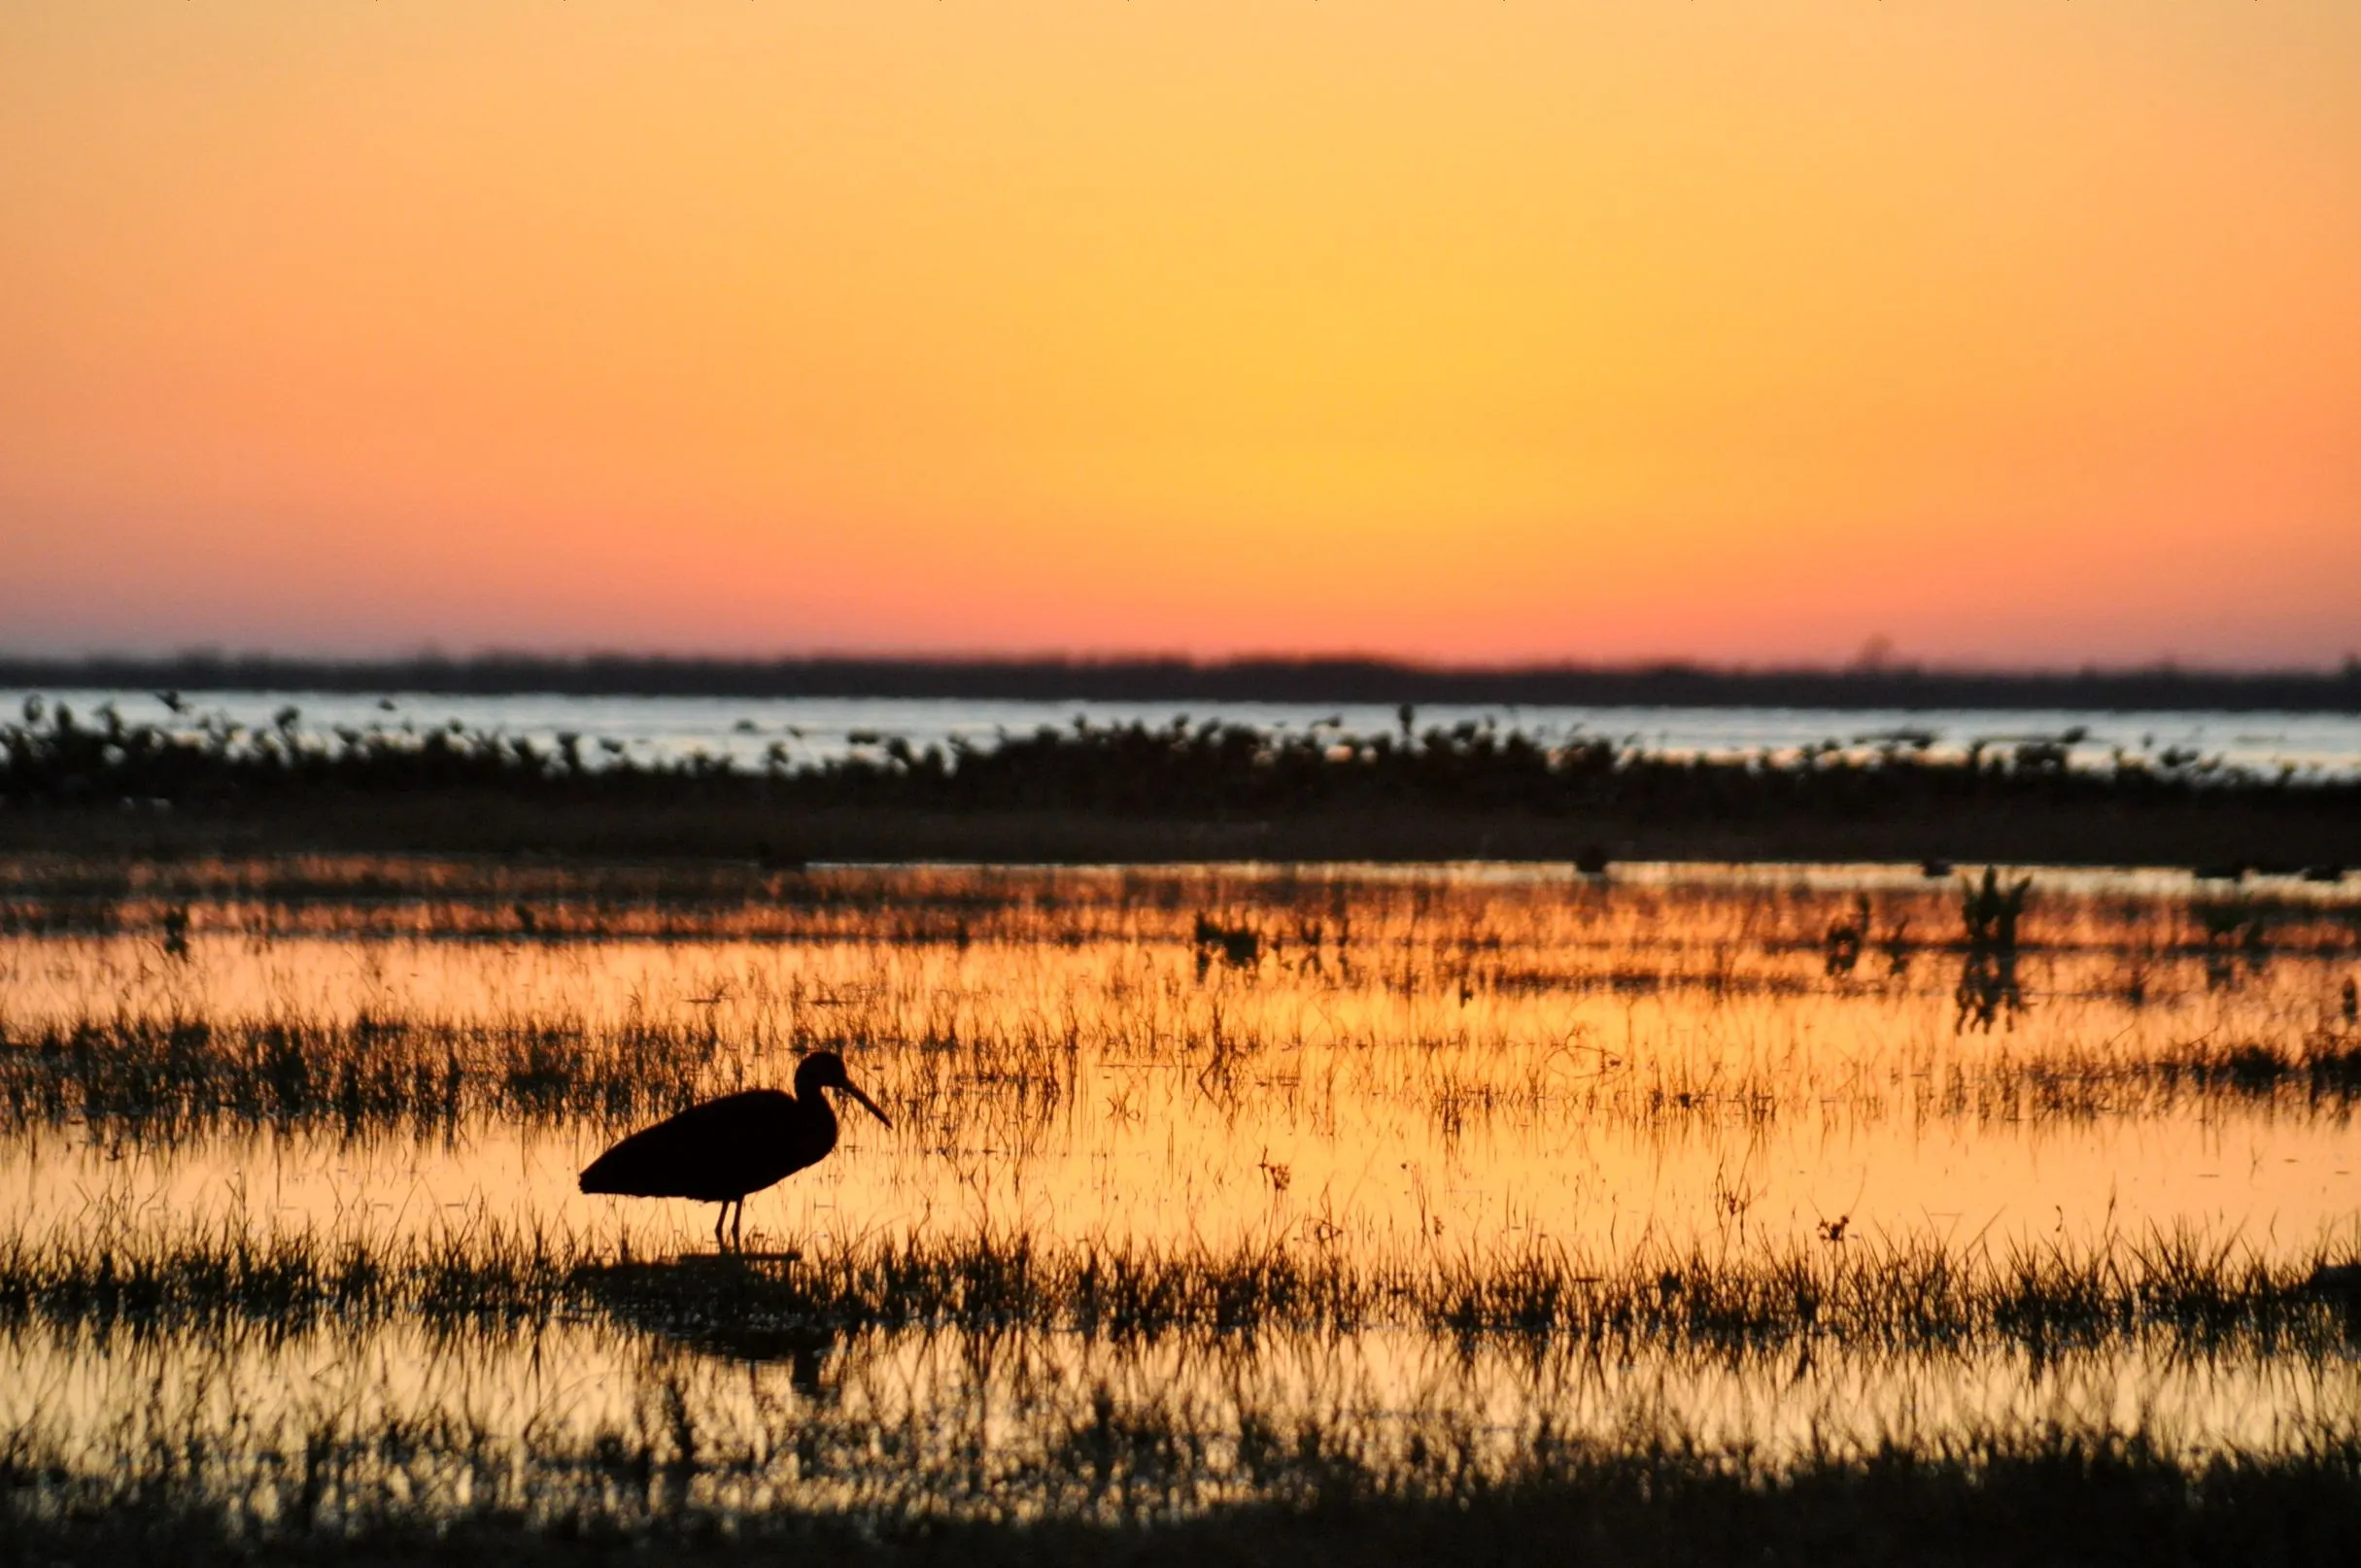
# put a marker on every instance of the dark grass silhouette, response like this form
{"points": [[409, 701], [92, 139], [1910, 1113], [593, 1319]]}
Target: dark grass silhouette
{"points": [[2184, 1293], [1117, 1494], [1180, 790]]}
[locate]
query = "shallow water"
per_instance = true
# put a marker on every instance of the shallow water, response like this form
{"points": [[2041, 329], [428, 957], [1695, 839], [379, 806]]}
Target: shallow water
{"points": [[670, 729], [1424, 1075]]}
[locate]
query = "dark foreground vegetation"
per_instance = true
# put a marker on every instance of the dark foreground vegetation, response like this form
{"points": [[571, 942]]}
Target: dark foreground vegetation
{"points": [[2056, 1498], [1180, 792]]}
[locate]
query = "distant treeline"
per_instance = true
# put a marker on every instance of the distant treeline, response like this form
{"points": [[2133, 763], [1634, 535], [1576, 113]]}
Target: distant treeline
{"points": [[1239, 680]]}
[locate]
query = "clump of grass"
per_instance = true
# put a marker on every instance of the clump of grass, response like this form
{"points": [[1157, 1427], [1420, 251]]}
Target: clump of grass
{"points": [[1991, 912]]}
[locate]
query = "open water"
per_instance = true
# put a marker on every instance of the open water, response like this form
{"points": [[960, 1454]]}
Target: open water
{"points": [[745, 730]]}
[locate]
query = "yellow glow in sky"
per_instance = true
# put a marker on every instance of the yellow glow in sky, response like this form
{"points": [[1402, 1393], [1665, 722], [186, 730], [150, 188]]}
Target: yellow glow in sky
{"points": [[2014, 331]]}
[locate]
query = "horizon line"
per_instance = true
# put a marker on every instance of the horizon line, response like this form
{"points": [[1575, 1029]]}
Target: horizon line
{"points": [[492, 655], [1307, 679]]}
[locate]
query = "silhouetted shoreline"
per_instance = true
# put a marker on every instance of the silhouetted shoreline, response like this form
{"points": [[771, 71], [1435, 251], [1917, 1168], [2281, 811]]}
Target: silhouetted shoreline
{"points": [[1177, 792], [1239, 680]]}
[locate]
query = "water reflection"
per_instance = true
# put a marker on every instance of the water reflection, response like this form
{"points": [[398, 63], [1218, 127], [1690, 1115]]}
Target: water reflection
{"points": [[600, 1424], [734, 1305], [1396, 1156], [1989, 991]]}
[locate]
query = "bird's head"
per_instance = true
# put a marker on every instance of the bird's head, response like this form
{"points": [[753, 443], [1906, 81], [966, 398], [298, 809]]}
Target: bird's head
{"points": [[825, 1070]]}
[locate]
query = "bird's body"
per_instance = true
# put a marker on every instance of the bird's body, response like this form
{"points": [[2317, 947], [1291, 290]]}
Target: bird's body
{"points": [[721, 1150]]}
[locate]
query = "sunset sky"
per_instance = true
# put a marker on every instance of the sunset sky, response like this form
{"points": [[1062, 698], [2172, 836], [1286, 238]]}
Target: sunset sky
{"points": [[1502, 329]]}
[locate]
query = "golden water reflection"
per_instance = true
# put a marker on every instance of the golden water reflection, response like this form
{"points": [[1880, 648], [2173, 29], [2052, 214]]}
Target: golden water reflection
{"points": [[1420, 1070]]}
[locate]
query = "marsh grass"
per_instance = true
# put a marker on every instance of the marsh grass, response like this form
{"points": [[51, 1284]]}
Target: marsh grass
{"points": [[1862, 1293], [1021, 1020], [160, 1080], [1160, 1479], [960, 1075]]}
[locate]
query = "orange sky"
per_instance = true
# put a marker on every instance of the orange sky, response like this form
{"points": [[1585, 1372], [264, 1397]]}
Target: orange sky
{"points": [[1590, 329]]}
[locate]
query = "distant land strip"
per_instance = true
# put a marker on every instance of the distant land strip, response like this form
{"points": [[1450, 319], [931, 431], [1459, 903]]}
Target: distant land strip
{"points": [[2160, 689]]}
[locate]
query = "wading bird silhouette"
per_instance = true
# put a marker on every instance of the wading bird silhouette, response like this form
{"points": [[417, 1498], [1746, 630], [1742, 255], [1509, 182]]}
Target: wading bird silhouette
{"points": [[721, 1150]]}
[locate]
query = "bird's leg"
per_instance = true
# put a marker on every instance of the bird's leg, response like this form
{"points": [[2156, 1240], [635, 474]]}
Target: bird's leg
{"points": [[722, 1214], [737, 1227]]}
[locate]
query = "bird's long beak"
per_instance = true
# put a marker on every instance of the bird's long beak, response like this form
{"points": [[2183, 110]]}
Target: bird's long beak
{"points": [[870, 1106]]}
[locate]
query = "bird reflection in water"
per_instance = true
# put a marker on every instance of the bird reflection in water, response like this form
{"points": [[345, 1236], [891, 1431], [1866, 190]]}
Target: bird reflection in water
{"points": [[734, 1307]]}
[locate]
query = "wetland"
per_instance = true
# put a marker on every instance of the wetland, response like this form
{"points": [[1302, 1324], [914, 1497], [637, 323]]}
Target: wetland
{"points": [[1220, 1201]]}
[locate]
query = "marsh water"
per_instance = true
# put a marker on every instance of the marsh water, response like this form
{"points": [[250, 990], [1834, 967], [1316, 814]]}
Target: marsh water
{"points": [[669, 730], [1190, 1168]]}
